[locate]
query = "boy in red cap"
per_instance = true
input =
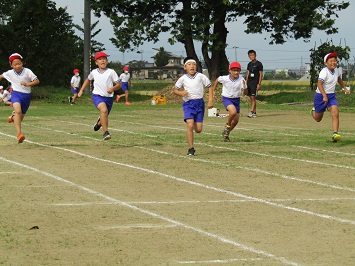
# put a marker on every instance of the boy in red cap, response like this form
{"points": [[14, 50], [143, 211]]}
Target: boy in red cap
{"points": [[325, 94], [74, 86], [232, 89], [125, 79], [105, 83], [21, 79]]}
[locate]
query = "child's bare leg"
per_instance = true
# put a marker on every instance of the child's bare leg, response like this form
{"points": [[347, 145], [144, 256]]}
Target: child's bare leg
{"points": [[233, 116], [74, 97], [253, 103], [103, 116], [18, 117], [126, 95], [234, 122], [190, 132], [317, 116], [334, 112]]}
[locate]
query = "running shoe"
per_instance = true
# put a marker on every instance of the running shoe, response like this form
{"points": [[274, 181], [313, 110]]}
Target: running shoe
{"points": [[70, 99], [97, 126], [20, 138], [312, 111], [191, 152], [10, 119], [127, 103], [250, 114], [118, 98], [336, 137], [106, 136]]}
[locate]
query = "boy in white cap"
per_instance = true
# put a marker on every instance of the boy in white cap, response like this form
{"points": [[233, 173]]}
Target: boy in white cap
{"points": [[74, 86], [105, 83], [232, 89], [125, 79], [193, 83], [21, 79], [5, 96], [325, 94]]}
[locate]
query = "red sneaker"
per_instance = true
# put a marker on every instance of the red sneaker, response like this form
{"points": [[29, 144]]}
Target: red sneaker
{"points": [[118, 98], [20, 138]]}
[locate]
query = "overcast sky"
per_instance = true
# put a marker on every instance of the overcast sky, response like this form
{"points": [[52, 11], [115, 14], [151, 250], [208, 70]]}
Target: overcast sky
{"points": [[291, 55]]}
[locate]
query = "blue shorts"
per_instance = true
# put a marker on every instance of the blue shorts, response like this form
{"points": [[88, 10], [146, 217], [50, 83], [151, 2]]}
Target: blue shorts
{"points": [[97, 99], [231, 101], [74, 91], [194, 109], [24, 99], [320, 106], [125, 86]]}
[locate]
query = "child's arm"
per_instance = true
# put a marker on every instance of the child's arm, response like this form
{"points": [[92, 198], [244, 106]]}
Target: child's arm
{"points": [[85, 84], [211, 94], [116, 87], [341, 83], [30, 84], [180, 93], [321, 89]]}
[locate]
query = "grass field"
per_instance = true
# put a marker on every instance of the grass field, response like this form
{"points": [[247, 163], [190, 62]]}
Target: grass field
{"points": [[280, 193]]}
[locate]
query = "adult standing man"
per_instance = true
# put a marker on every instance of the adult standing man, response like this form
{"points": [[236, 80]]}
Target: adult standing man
{"points": [[253, 78]]}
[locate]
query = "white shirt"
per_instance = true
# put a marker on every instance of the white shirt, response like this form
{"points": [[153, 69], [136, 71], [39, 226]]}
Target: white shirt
{"points": [[103, 81], [329, 79], [75, 80], [231, 88], [7, 96], [193, 85], [15, 79], [125, 77]]}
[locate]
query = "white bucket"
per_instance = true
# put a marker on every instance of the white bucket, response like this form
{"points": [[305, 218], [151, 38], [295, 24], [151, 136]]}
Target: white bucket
{"points": [[212, 112], [154, 102]]}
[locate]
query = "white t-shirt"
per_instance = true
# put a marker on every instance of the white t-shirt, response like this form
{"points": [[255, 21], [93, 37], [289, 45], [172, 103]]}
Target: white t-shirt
{"points": [[125, 77], [75, 80], [231, 88], [15, 79], [193, 85], [329, 79], [7, 96], [103, 81]]}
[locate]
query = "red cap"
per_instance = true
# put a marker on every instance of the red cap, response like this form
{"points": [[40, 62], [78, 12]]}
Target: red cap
{"points": [[235, 65], [14, 56], [125, 68], [100, 54], [330, 55], [76, 70]]}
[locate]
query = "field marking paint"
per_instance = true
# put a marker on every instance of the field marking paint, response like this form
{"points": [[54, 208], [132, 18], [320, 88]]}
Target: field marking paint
{"points": [[267, 202], [220, 238], [316, 149], [277, 156], [249, 169], [137, 226], [218, 261]]}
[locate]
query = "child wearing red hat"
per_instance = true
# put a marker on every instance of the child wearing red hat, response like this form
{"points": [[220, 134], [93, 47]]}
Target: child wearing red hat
{"points": [[21, 79], [74, 86], [125, 79], [324, 97], [232, 89], [106, 81]]}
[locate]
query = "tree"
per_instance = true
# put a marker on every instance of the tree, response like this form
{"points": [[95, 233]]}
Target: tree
{"points": [[317, 56], [44, 35], [136, 22]]}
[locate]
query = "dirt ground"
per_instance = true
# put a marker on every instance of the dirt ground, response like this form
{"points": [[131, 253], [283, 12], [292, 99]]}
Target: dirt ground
{"points": [[280, 193]]}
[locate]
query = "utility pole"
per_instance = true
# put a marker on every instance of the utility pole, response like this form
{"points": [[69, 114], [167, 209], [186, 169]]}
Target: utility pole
{"points": [[87, 40], [235, 53]]}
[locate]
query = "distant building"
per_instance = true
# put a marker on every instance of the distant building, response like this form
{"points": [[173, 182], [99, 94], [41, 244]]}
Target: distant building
{"points": [[172, 70]]}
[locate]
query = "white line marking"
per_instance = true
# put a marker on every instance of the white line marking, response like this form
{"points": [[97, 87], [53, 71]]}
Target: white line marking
{"points": [[138, 226], [316, 149], [220, 238], [218, 261], [277, 156], [324, 216]]}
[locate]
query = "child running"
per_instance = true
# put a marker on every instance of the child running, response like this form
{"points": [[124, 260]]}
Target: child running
{"points": [[74, 86], [21, 79], [193, 83], [325, 94], [232, 89], [105, 83], [125, 79]]}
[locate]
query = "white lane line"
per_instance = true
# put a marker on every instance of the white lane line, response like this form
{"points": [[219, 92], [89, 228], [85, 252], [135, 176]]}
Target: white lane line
{"points": [[218, 261], [277, 156], [137, 226], [220, 238], [316, 149], [267, 202], [249, 169]]}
